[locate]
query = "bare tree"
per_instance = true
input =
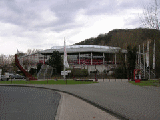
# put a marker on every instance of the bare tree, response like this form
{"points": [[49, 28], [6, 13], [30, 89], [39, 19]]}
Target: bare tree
{"points": [[7, 63], [3, 60], [30, 51], [151, 18]]}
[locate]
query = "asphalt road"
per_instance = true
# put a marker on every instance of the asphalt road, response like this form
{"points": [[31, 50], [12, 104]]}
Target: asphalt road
{"points": [[130, 101], [19, 103]]}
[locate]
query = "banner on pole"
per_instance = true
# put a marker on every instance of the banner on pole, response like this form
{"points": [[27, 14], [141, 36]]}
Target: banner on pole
{"points": [[65, 56], [144, 60], [147, 55], [139, 56], [154, 55]]}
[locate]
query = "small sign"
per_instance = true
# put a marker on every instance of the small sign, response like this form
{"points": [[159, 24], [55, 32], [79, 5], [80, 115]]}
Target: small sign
{"points": [[62, 73], [7, 74]]}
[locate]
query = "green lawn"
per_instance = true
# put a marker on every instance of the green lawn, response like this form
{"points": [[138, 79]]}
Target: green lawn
{"points": [[146, 83], [45, 82]]}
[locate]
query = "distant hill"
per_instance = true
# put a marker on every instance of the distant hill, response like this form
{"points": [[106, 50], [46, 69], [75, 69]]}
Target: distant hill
{"points": [[124, 37]]}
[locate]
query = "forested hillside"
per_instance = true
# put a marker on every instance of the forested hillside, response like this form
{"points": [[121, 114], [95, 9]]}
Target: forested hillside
{"points": [[134, 37], [123, 37]]}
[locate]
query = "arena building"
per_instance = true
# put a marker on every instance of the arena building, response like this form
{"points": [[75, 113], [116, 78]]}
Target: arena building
{"points": [[79, 56]]}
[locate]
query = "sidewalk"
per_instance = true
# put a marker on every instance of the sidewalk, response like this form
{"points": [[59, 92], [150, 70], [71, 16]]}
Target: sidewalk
{"points": [[72, 108]]}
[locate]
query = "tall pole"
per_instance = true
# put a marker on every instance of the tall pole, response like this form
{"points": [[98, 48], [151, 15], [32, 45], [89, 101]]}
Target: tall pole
{"points": [[140, 56], [148, 58], [66, 65], [64, 73], [64, 61], [144, 60], [154, 58], [95, 73]]}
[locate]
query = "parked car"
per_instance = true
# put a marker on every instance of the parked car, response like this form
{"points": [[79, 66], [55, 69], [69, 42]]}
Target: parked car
{"points": [[17, 76], [4, 78]]}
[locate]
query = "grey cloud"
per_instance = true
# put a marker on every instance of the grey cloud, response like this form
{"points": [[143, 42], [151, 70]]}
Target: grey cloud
{"points": [[115, 7], [22, 13], [133, 4], [16, 13], [66, 12], [107, 7]]}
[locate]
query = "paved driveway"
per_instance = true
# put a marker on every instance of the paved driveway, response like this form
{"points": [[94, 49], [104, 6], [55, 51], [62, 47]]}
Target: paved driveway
{"points": [[130, 101], [19, 103]]}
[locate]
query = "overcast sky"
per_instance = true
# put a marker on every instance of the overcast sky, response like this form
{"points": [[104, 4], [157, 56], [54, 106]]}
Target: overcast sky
{"points": [[41, 24]]}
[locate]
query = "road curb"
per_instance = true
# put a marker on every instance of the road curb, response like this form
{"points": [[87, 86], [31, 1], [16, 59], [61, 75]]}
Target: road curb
{"points": [[117, 115]]}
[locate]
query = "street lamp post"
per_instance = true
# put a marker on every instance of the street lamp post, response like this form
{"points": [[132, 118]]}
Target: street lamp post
{"points": [[95, 73]]}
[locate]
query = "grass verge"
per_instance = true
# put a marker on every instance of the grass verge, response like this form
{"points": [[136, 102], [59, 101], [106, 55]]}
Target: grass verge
{"points": [[59, 82], [146, 83]]}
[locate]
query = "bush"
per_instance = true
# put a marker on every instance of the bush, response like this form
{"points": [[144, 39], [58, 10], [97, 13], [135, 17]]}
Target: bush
{"points": [[32, 71], [84, 72], [120, 73], [39, 67], [79, 72]]}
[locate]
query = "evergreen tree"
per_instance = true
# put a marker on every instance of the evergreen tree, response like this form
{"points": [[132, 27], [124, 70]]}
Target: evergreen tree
{"points": [[131, 60], [121, 71], [55, 61]]}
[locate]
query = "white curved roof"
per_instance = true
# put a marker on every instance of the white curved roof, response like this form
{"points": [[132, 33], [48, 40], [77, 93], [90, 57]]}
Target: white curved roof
{"points": [[83, 48]]}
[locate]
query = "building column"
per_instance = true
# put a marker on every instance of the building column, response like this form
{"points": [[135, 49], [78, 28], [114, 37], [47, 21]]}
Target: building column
{"points": [[38, 58], [79, 59], [103, 58], [91, 58], [125, 57], [31, 60], [43, 59]]}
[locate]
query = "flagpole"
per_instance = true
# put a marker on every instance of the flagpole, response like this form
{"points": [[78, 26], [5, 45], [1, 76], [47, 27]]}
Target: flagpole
{"points": [[154, 58], [66, 65], [148, 58], [144, 60], [154, 55], [139, 57], [64, 61]]}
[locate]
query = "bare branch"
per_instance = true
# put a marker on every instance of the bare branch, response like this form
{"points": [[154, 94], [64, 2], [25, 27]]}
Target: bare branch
{"points": [[150, 18]]}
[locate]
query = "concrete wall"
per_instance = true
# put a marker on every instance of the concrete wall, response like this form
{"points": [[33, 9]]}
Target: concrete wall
{"points": [[100, 68]]}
